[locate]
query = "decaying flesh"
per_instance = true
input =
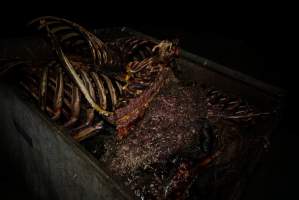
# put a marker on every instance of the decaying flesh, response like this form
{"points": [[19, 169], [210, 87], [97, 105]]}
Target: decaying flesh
{"points": [[177, 141], [172, 124]]}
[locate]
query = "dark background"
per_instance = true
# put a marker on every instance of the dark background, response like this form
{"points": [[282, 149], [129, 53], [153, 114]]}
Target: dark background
{"points": [[256, 42]]}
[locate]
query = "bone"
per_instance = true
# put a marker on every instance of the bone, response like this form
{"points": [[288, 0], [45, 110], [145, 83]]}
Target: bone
{"points": [[100, 90], [87, 132], [75, 107], [111, 90], [58, 99], [43, 88]]}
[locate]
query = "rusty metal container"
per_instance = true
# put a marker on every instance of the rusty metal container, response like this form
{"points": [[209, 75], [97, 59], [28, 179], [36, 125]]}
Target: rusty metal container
{"points": [[56, 167]]}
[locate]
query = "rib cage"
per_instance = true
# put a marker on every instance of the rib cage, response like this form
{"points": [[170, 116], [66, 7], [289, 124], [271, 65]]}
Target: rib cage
{"points": [[74, 37], [61, 98], [132, 48], [222, 106], [91, 81]]}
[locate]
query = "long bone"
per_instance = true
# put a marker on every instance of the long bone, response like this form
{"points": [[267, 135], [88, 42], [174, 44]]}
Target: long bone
{"points": [[70, 69]]}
